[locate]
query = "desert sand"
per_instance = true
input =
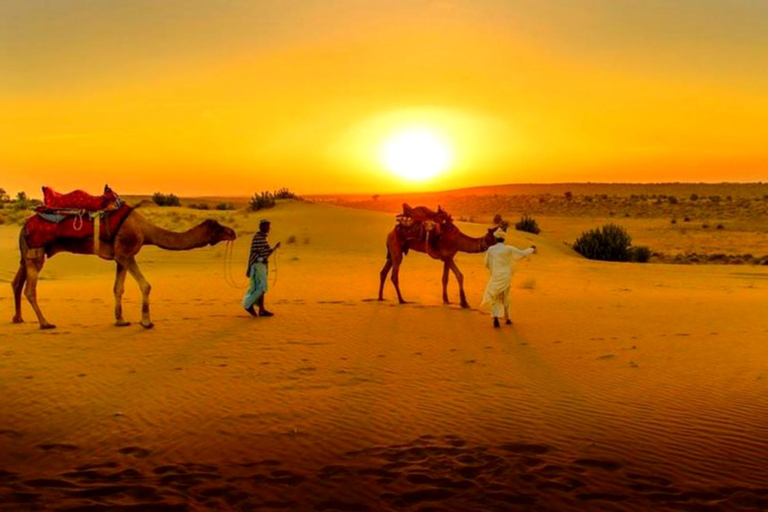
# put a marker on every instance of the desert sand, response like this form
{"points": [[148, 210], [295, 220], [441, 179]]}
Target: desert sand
{"points": [[619, 387]]}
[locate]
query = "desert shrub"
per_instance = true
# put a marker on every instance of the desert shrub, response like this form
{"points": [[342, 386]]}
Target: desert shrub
{"points": [[261, 201], [673, 200], [528, 224], [284, 193], [720, 226], [694, 197], [22, 202], [200, 206], [165, 199], [4, 197], [609, 243], [291, 239], [225, 206], [705, 226], [568, 196], [687, 219], [674, 221], [640, 254]]}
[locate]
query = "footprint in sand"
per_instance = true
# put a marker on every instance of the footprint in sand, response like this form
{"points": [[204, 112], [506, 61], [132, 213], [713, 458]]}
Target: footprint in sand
{"points": [[11, 434], [55, 447], [525, 448], [607, 464], [602, 496], [134, 451]]}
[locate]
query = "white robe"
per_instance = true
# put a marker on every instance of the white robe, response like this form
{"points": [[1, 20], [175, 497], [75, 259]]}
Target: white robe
{"points": [[500, 260]]}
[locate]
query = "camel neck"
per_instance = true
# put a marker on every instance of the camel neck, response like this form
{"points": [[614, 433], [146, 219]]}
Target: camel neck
{"points": [[175, 241], [466, 243]]}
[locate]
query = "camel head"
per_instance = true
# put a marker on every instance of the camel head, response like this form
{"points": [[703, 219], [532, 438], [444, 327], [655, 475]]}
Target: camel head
{"points": [[217, 233], [488, 240]]}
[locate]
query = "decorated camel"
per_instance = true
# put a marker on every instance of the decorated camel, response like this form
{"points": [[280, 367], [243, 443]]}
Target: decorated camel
{"points": [[123, 232], [435, 234]]}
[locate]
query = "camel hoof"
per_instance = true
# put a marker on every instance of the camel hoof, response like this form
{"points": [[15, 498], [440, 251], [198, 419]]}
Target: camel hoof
{"points": [[122, 323], [465, 305], [18, 320], [147, 326], [47, 326]]}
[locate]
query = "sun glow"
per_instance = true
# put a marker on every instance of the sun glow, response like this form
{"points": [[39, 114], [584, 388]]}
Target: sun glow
{"points": [[416, 154]]}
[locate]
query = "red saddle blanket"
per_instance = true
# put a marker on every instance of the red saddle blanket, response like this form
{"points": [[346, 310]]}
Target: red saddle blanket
{"points": [[40, 231], [80, 200], [422, 213]]}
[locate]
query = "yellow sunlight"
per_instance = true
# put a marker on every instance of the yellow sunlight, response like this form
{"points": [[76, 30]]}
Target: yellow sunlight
{"points": [[416, 154]]}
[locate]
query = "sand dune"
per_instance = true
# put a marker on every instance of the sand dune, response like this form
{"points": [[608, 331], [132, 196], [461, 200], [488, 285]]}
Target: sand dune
{"points": [[619, 387]]}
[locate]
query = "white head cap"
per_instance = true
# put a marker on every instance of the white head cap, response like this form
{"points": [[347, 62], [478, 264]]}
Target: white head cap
{"points": [[500, 234]]}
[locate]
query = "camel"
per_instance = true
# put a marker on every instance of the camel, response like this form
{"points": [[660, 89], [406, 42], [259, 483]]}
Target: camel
{"points": [[451, 241], [135, 232]]}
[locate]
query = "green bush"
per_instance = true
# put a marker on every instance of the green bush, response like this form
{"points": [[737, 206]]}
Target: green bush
{"points": [[640, 254], [528, 224], [609, 243], [165, 199], [225, 206], [284, 193], [263, 200], [22, 202]]}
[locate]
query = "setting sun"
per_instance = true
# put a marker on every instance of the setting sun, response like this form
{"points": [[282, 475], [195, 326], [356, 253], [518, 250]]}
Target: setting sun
{"points": [[416, 154]]}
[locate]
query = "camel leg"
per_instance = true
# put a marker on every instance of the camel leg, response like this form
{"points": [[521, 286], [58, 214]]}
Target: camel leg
{"points": [[133, 268], [383, 275], [122, 272], [34, 266], [460, 279], [396, 277], [446, 269], [18, 286]]}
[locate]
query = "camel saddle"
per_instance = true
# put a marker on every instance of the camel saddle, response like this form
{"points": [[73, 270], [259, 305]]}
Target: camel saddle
{"points": [[79, 200], [422, 213], [45, 228], [74, 216]]}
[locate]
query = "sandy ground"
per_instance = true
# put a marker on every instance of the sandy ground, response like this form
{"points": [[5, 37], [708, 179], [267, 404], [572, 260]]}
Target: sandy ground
{"points": [[619, 386]]}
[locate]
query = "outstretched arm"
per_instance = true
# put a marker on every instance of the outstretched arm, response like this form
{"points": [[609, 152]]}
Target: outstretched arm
{"points": [[521, 253]]}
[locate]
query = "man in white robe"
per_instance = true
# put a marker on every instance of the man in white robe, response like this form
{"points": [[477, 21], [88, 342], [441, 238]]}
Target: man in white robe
{"points": [[500, 260]]}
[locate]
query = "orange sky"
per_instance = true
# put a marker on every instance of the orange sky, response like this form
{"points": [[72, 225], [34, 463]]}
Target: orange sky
{"points": [[232, 97]]}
